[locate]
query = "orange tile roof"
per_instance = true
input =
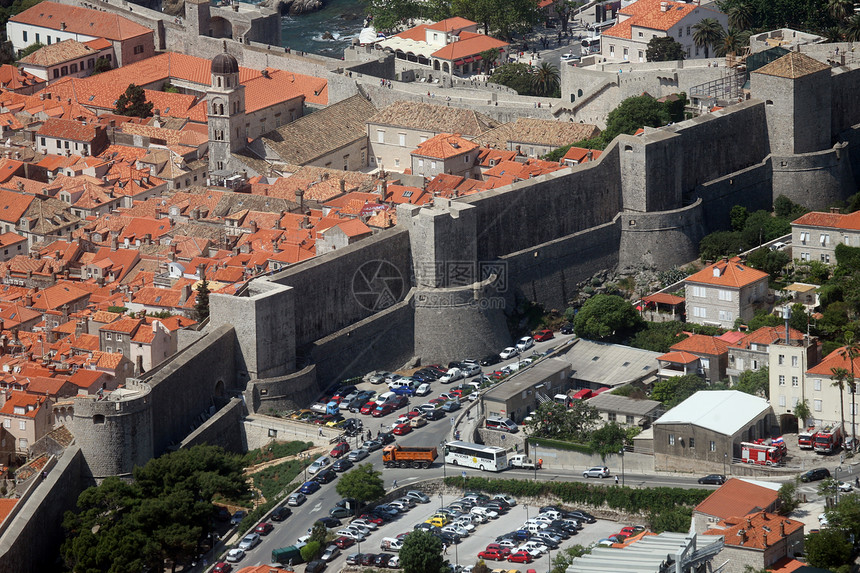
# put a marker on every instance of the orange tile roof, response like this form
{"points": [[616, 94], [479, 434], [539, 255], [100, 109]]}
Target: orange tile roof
{"points": [[93, 23], [649, 14], [417, 33], [69, 129], [580, 154], [678, 357], [729, 273], [737, 497], [470, 44], [785, 565], [451, 24], [758, 530], [13, 205], [6, 507], [767, 335], [58, 53], [13, 78], [702, 344], [31, 404], [125, 325], [732, 336], [835, 360], [54, 297], [444, 146], [663, 298], [84, 378], [850, 221]]}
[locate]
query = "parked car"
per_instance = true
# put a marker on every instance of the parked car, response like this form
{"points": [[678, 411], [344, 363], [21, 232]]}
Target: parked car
{"points": [[342, 465], [451, 406], [402, 429], [423, 389], [543, 335], [420, 497], [713, 479], [238, 517], [470, 369], [357, 455], [521, 556], [567, 328], [418, 421], [319, 464], [815, 474], [280, 513], [264, 528], [383, 410], [296, 499], [452, 375], [339, 450], [327, 475], [434, 414], [330, 553], [344, 542], [525, 343], [235, 555], [596, 472], [368, 408], [490, 359], [315, 566], [508, 353], [222, 567], [372, 445], [249, 541], [309, 487]]}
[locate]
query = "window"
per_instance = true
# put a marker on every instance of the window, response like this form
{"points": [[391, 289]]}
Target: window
{"points": [[119, 337], [91, 63], [795, 381], [699, 312], [705, 362], [56, 73], [641, 34], [713, 446], [22, 442], [466, 159], [626, 54], [22, 424], [781, 359], [420, 162], [699, 292], [25, 35], [73, 68], [433, 165], [629, 419], [725, 295], [782, 400], [804, 236], [794, 361], [138, 49], [680, 32], [612, 416], [611, 51], [805, 257], [817, 405], [109, 350], [692, 442], [401, 138], [119, 350], [49, 40], [108, 336], [380, 136], [825, 239], [727, 315], [64, 70], [397, 163], [7, 423], [816, 384], [781, 380], [273, 433], [44, 142], [641, 56], [671, 439], [825, 258], [688, 30]]}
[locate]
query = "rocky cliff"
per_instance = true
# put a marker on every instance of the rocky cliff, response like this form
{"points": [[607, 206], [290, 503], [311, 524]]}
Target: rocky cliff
{"points": [[293, 6]]}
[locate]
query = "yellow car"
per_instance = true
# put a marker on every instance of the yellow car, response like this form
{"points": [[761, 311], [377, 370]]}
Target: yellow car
{"points": [[303, 415], [438, 520], [418, 421]]}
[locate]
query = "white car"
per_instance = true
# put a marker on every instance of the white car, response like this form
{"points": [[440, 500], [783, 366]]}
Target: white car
{"points": [[509, 543], [456, 530], [297, 498], [480, 518], [509, 499], [357, 455], [423, 389], [330, 553], [525, 343], [364, 523], [543, 519], [822, 520], [394, 562], [351, 533], [471, 369], [596, 472], [399, 505], [249, 541], [359, 528], [508, 353], [452, 375], [486, 512], [465, 523], [569, 57], [418, 496], [235, 555], [318, 465], [845, 486]]}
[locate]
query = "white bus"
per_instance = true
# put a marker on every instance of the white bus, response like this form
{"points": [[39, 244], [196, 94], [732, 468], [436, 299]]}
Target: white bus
{"points": [[485, 458]]}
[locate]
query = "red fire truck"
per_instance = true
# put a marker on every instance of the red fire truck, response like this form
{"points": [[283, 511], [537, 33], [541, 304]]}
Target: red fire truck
{"points": [[806, 437], [828, 439], [761, 453]]}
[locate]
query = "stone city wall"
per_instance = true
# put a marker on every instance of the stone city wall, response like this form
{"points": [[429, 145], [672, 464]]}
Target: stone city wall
{"points": [[750, 188], [558, 459], [845, 113], [661, 239], [221, 429], [815, 180], [283, 393], [260, 429]]}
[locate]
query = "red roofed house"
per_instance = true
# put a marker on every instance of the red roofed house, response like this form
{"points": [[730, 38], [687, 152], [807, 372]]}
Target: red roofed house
{"points": [[751, 351], [66, 58], [721, 293], [49, 23], [814, 236], [824, 398], [642, 20], [26, 418], [705, 356], [735, 497], [444, 153], [341, 235], [71, 137], [757, 540], [13, 79], [577, 155], [12, 245]]}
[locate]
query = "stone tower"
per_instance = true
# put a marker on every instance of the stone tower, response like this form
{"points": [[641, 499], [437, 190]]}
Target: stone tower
{"points": [[226, 115], [197, 17], [796, 90]]}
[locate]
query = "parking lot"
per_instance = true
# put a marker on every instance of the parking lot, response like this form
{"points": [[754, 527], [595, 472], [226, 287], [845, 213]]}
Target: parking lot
{"points": [[465, 553]]}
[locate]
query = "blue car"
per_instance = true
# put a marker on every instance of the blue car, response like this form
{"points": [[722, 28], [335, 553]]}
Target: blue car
{"points": [[309, 487], [403, 391]]}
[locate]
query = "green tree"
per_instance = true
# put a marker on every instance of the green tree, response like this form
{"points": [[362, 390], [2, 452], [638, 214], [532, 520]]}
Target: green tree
{"points": [[606, 317], [802, 413], [311, 550], [562, 559], [201, 303], [828, 549], [133, 103], [564, 9], [840, 9], [169, 88], [663, 49], [755, 382], [608, 439], [545, 81], [851, 30], [771, 262], [851, 352], [633, 113], [488, 58], [659, 336], [422, 553], [388, 14], [502, 17], [720, 244], [707, 33], [785, 208], [832, 35], [102, 65], [741, 16], [730, 43], [515, 76], [364, 484], [787, 495], [30, 49], [675, 390], [553, 420], [762, 227], [846, 514], [739, 216], [840, 377]]}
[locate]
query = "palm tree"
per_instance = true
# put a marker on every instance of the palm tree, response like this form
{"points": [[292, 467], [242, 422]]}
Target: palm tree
{"points": [[833, 34], [840, 377], [545, 80], [730, 44], [851, 30], [741, 16], [840, 9], [850, 352], [707, 33]]}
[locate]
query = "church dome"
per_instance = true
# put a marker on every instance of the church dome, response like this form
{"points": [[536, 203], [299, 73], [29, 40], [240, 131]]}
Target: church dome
{"points": [[224, 63]]}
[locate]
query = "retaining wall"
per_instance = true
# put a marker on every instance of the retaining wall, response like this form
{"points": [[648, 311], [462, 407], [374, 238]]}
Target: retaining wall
{"points": [[222, 429], [259, 430], [815, 180], [289, 392]]}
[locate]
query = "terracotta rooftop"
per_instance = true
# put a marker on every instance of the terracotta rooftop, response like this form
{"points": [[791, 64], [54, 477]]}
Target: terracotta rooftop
{"points": [[767, 335], [469, 44], [526, 131], [678, 357], [451, 24], [434, 118], [737, 497], [651, 15], [663, 298], [850, 221], [702, 344], [835, 360], [758, 530], [731, 273], [68, 129], [793, 65], [444, 146], [83, 21], [58, 53]]}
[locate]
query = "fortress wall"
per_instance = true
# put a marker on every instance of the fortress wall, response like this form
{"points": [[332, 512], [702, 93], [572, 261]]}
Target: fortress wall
{"points": [[722, 142], [845, 85], [750, 188], [222, 429], [31, 541], [325, 300], [815, 180], [548, 273], [540, 210], [289, 392], [662, 239], [852, 137], [187, 387], [385, 340]]}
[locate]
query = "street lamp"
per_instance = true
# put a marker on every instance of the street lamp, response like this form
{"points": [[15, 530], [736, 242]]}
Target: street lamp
{"points": [[836, 478], [456, 556], [725, 459], [621, 453], [535, 462], [441, 502], [527, 512]]}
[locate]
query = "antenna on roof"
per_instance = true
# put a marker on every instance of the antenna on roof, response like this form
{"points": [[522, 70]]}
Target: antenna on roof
{"points": [[225, 46]]}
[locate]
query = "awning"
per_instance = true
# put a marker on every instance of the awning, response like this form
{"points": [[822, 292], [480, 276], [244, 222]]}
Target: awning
{"points": [[478, 58], [458, 62], [468, 60]]}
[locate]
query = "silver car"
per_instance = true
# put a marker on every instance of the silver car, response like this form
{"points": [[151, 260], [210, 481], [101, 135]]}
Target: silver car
{"points": [[418, 496], [596, 472], [330, 553], [249, 541], [357, 455]]}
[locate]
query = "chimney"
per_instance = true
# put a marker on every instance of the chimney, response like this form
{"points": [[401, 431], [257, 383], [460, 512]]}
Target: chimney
{"points": [[28, 300], [201, 271], [380, 188], [186, 292], [764, 538], [342, 186], [664, 6], [749, 522], [834, 210], [253, 226], [306, 222], [114, 242], [81, 326], [743, 535], [300, 199], [782, 528], [62, 25], [147, 239]]}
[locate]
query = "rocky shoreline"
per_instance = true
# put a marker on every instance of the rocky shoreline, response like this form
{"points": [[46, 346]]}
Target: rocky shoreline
{"points": [[293, 7]]}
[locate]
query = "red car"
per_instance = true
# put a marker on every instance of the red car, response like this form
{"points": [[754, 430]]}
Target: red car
{"points": [[456, 392], [414, 413], [632, 529], [438, 400], [372, 519], [493, 554], [542, 335], [401, 429], [339, 450], [505, 551], [264, 528], [343, 542], [383, 410], [520, 557], [368, 408], [222, 568]]}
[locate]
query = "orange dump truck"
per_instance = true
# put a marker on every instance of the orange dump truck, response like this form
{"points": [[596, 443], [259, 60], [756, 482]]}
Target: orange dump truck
{"points": [[396, 456]]}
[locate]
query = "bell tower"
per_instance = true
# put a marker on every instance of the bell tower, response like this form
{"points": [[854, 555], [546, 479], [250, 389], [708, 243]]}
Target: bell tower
{"points": [[225, 101]]}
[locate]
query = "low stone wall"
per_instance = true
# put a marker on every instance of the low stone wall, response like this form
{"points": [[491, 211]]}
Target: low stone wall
{"points": [[667, 463], [259, 430], [289, 392], [554, 458], [223, 429]]}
